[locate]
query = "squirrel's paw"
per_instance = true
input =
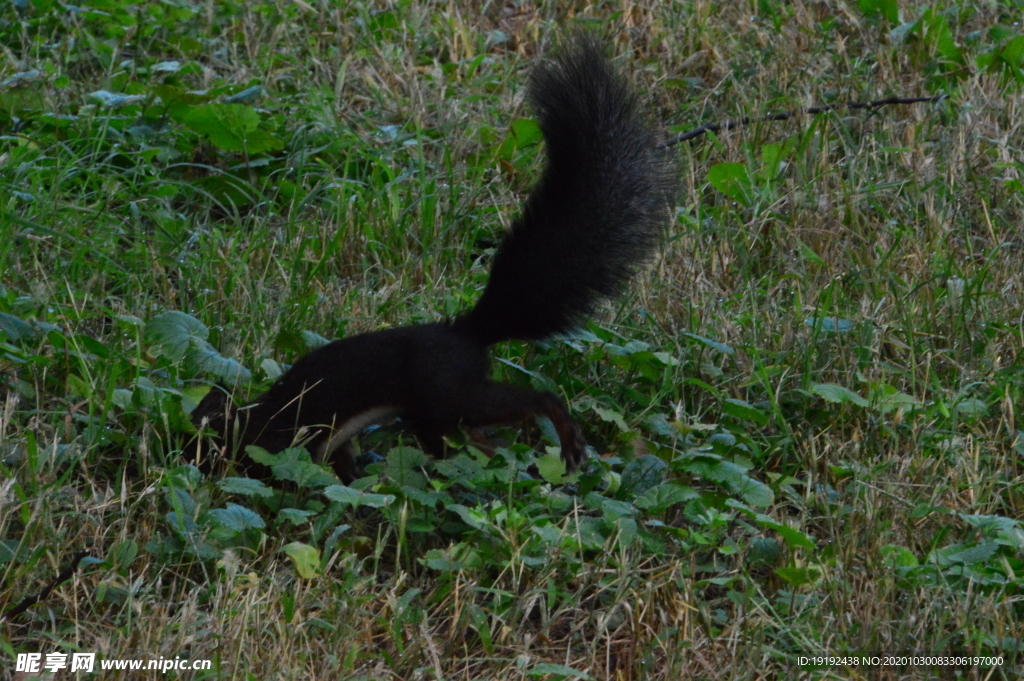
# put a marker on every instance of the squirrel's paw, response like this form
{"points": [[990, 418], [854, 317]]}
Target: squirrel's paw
{"points": [[574, 448]]}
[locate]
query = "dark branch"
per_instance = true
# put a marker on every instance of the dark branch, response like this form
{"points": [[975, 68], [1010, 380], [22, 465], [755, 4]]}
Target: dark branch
{"points": [[785, 115], [64, 576]]}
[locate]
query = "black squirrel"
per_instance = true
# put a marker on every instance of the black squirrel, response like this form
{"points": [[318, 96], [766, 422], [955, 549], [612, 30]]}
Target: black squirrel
{"points": [[597, 212]]}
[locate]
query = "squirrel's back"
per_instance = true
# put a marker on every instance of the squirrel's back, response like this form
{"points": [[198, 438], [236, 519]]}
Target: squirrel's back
{"points": [[594, 216]]}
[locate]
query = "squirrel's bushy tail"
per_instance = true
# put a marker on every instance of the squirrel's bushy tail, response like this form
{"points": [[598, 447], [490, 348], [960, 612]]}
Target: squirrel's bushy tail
{"points": [[594, 216]]}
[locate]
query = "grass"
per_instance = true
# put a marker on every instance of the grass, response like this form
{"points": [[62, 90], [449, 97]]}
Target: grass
{"points": [[808, 410]]}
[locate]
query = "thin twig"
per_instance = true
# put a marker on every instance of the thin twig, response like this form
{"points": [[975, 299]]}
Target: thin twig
{"points": [[785, 115], [64, 576]]}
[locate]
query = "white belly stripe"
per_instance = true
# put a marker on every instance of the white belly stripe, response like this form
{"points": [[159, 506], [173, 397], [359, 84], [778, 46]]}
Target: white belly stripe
{"points": [[355, 425]]}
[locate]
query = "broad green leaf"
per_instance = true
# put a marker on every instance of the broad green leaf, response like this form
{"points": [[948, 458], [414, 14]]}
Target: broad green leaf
{"points": [[830, 324], [204, 357], [967, 555], [260, 455], [122, 398], [174, 333], [459, 467], [589, 532], [793, 538], [809, 255], [115, 100], [880, 9], [898, 556], [773, 158], [313, 340], [470, 516], [305, 557], [731, 179], [356, 498], [611, 416], [763, 551], [232, 127], [523, 133], [246, 96], [295, 516], [290, 455], [455, 558], [14, 329], [122, 554], [237, 518], [612, 509], [837, 393], [798, 576], [641, 475], [1000, 525], [899, 34], [714, 345], [424, 498], [627, 532], [557, 671], [754, 492], [271, 369], [889, 399], [658, 499], [305, 474], [8, 548], [744, 411], [526, 131], [971, 407], [405, 465], [551, 468], [1013, 52], [245, 487], [548, 533]]}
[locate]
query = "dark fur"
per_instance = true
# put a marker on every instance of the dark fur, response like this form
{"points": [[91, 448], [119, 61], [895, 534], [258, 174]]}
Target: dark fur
{"points": [[594, 216]]}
